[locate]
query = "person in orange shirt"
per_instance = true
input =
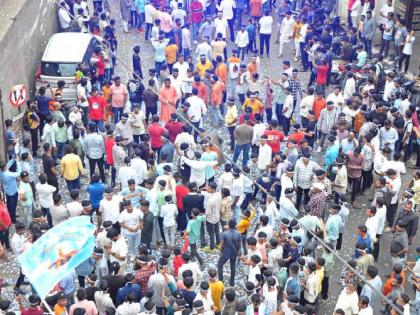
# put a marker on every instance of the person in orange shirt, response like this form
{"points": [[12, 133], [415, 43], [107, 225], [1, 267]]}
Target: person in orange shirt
{"points": [[359, 119], [253, 66], [397, 270], [217, 88], [319, 104], [170, 54], [221, 70], [256, 8], [202, 89], [296, 134], [106, 92], [168, 98]]}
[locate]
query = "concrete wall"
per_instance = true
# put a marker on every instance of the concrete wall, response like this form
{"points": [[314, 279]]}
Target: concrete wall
{"points": [[25, 28]]}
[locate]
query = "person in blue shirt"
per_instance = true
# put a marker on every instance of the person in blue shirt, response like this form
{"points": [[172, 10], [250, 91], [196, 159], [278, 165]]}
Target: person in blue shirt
{"points": [[96, 193], [43, 103], [361, 57], [333, 225], [134, 193], [252, 34], [8, 179], [129, 287], [332, 152], [10, 137], [362, 237], [293, 282]]}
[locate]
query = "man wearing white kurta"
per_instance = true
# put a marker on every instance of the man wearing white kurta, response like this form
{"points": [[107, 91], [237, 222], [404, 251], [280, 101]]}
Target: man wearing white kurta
{"points": [[286, 32]]}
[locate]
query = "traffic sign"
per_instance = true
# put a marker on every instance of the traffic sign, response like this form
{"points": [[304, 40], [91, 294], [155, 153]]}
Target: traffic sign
{"points": [[18, 95]]}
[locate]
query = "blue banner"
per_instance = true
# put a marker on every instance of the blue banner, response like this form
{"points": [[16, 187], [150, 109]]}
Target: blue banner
{"points": [[58, 252]]}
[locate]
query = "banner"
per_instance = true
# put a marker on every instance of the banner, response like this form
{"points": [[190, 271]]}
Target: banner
{"points": [[58, 252]]}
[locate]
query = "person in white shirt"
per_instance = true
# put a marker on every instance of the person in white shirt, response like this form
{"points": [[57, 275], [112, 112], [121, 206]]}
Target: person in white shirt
{"points": [[407, 51], [125, 173], [149, 13], [203, 48], [197, 107], [221, 25], [130, 223], [182, 67], [74, 207], [226, 179], [45, 193], [389, 86], [355, 12], [286, 32], [140, 167], [310, 292], [266, 28], [365, 308], [118, 250], [109, 206], [242, 41], [348, 300], [59, 213], [349, 87], [168, 212], [198, 168], [264, 154], [197, 273], [204, 295], [227, 7], [18, 239], [237, 193], [64, 17], [337, 98], [372, 224]]}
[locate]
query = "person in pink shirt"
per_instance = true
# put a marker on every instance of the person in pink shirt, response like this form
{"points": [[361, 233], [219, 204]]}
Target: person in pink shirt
{"points": [[168, 98], [217, 88], [82, 302], [166, 23], [196, 14], [118, 97]]}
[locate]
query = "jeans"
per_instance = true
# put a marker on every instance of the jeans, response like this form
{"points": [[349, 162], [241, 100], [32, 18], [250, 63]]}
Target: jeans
{"points": [[92, 164], [269, 112], [241, 52], [147, 32], [391, 210], [60, 149], [232, 137], [150, 111], [243, 242], [34, 141], [169, 232], [117, 111], [265, 40], [99, 125], [195, 28], [299, 193], [367, 177], [158, 67], [238, 16], [324, 287], [194, 253], [304, 56], [384, 47], [4, 238], [27, 214], [216, 114], [231, 22], [368, 46], [222, 261], [213, 230], [376, 247], [73, 184], [278, 110], [46, 213], [133, 241], [11, 202], [113, 174], [355, 188], [407, 61], [241, 148]]}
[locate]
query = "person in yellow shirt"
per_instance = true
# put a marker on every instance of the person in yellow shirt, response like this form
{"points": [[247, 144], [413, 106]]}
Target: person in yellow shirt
{"points": [[244, 225], [203, 65], [297, 26], [170, 54], [71, 168], [231, 118], [256, 105], [216, 288]]}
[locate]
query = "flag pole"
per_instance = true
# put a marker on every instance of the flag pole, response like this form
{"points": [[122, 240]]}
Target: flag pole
{"points": [[46, 305]]}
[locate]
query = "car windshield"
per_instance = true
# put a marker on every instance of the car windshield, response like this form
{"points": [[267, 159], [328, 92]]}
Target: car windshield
{"points": [[58, 69]]}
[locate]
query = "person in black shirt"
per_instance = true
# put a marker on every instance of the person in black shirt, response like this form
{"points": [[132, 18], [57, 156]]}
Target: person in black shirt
{"points": [[148, 223], [193, 200], [114, 281], [43, 103], [310, 128], [48, 164], [137, 72]]}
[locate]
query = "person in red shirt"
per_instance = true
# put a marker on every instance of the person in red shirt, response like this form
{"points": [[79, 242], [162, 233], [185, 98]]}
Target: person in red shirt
{"points": [[97, 109], [297, 134], [34, 307], [196, 14], [274, 136], [99, 64], [248, 112], [321, 75], [109, 161], [156, 132], [5, 223], [181, 191], [174, 127], [319, 104]]}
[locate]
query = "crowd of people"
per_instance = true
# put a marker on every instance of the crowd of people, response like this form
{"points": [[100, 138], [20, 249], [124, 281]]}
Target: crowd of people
{"points": [[205, 160]]}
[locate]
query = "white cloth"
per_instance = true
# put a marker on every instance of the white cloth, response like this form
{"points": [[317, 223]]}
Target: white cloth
{"points": [[110, 209], [264, 157], [266, 24]]}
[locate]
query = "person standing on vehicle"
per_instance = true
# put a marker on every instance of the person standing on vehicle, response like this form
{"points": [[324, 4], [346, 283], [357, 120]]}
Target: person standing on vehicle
{"points": [[407, 50], [387, 35], [369, 28]]}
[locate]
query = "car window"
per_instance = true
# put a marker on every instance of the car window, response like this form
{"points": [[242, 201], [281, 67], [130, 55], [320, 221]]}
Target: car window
{"points": [[58, 69]]}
